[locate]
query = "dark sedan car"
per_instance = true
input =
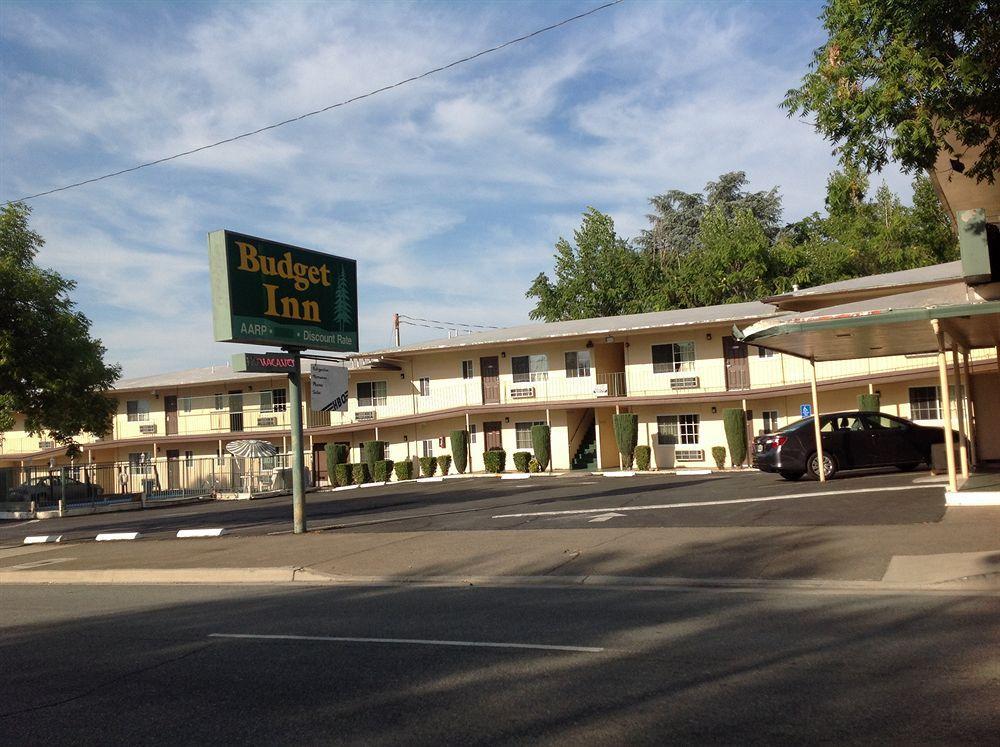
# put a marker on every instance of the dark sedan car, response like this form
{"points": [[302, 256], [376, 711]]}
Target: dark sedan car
{"points": [[851, 440], [49, 489]]}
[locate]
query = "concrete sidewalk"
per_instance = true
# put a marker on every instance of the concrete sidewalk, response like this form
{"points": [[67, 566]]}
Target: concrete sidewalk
{"points": [[965, 544]]}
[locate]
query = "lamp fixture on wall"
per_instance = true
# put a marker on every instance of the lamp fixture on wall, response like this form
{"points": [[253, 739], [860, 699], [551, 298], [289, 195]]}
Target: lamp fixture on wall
{"points": [[503, 354], [708, 335], [714, 409], [506, 420], [609, 339], [402, 376], [590, 343]]}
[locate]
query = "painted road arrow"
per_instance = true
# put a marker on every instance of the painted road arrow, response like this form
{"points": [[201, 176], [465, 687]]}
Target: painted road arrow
{"points": [[604, 517]]}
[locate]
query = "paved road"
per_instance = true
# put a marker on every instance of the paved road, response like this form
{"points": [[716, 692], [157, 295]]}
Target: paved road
{"points": [[738, 499], [89, 665]]}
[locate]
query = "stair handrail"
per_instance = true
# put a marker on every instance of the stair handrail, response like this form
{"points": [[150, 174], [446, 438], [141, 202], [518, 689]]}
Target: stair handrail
{"points": [[588, 416]]}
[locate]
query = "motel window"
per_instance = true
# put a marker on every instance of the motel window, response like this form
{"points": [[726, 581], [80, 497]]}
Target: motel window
{"points": [[529, 367], [372, 393], [522, 434], [137, 410], [673, 429], [577, 364], [472, 433], [274, 400], [186, 403], [770, 420], [220, 401], [673, 357], [427, 447], [765, 353], [468, 372], [140, 462], [924, 403], [425, 387]]}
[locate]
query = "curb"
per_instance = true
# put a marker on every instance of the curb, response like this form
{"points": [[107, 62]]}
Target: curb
{"points": [[988, 585]]}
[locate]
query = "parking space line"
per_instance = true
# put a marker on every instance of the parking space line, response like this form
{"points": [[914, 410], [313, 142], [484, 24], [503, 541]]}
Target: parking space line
{"points": [[763, 499], [411, 641]]}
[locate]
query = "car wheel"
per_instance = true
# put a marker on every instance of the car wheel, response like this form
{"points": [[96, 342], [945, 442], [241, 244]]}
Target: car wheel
{"points": [[908, 467], [793, 476], [829, 466]]}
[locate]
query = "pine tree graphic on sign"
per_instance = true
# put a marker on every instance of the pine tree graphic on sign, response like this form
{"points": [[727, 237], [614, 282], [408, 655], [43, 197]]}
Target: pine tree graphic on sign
{"points": [[342, 312]]}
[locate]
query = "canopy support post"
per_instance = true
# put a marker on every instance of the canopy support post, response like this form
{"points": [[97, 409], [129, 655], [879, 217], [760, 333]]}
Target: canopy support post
{"points": [[816, 425], [949, 437], [963, 453], [970, 406]]}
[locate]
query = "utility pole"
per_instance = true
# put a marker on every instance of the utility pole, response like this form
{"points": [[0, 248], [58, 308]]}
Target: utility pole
{"points": [[395, 329], [298, 459]]}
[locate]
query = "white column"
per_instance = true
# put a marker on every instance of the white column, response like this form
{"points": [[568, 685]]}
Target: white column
{"points": [[949, 438], [969, 406], [816, 425], [597, 439], [963, 453]]}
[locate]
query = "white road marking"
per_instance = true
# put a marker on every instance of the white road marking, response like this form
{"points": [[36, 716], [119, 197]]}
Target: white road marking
{"points": [[604, 517], [709, 503], [414, 641], [37, 564]]}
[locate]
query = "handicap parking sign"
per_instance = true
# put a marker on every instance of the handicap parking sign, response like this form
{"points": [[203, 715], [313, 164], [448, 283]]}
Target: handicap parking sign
{"points": [[805, 410]]}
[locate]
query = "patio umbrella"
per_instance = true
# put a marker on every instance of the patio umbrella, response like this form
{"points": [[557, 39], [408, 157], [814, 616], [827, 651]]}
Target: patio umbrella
{"points": [[251, 448]]}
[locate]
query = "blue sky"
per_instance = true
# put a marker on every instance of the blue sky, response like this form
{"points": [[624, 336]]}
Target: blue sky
{"points": [[450, 192]]}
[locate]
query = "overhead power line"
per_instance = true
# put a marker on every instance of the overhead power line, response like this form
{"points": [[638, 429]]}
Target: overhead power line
{"points": [[313, 113], [447, 325]]}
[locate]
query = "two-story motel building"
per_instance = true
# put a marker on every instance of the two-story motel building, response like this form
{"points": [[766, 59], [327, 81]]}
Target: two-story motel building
{"points": [[677, 370]]}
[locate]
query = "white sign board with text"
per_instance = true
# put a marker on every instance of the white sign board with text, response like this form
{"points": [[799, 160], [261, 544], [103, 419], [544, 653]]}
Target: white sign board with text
{"points": [[329, 388]]}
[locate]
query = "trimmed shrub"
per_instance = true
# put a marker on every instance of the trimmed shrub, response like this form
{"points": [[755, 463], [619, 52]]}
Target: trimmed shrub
{"points": [[343, 474], [444, 463], [534, 467], [541, 444], [735, 421], [642, 454], [521, 459], [383, 470], [719, 455], [495, 460], [869, 403], [374, 452], [626, 426], [404, 470], [428, 466], [361, 474], [460, 450], [335, 454]]}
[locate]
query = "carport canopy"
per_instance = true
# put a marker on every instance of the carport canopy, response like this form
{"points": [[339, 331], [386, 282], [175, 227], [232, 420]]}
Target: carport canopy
{"points": [[898, 324]]}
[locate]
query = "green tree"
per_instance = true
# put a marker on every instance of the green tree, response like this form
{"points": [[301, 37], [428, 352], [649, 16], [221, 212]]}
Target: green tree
{"points": [[51, 370], [905, 79], [676, 220], [599, 275]]}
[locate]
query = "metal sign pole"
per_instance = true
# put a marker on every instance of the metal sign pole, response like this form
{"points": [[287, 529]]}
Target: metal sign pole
{"points": [[298, 460]]}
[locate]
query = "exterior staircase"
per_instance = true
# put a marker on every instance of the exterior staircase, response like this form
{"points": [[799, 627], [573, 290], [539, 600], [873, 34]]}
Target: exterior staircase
{"points": [[586, 454]]}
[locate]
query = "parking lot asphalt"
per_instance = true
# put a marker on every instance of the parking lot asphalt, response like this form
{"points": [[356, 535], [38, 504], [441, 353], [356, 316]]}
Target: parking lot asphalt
{"points": [[739, 499]]}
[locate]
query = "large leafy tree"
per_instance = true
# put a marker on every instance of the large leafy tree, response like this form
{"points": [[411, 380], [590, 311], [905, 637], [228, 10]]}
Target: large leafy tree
{"points": [[51, 370], [599, 274], [904, 79], [676, 219]]}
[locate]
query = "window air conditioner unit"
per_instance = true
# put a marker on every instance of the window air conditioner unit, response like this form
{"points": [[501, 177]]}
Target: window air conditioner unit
{"points": [[364, 415], [684, 382], [522, 392], [149, 428], [267, 421], [46, 444], [689, 455]]}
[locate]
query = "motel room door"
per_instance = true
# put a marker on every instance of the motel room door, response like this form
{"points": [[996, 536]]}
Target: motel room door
{"points": [[737, 365], [489, 371], [491, 435], [173, 467], [170, 408], [236, 410]]}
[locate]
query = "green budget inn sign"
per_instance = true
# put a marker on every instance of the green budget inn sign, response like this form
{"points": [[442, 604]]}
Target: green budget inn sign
{"points": [[268, 293]]}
